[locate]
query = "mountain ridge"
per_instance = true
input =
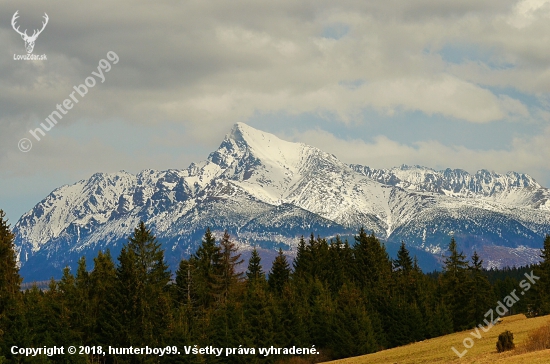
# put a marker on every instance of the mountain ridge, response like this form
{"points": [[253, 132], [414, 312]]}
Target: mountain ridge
{"points": [[268, 191]]}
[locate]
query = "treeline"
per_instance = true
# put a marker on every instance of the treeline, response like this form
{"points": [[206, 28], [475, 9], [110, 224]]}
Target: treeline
{"points": [[344, 299]]}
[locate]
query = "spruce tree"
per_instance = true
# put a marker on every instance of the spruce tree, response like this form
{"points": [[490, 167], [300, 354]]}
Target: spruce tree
{"points": [[32, 303], [255, 271], [403, 262], [257, 326], [57, 310], [416, 267], [323, 263], [541, 291], [373, 276], [455, 286], [455, 263], [82, 315], [206, 263], [106, 301], [300, 262], [64, 304], [440, 321], [405, 275], [279, 274], [290, 318], [351, 331], [225, 320], [407, 322], [372, 264], [142, 280], [480, 293], [322, 314], [227, 267], [11, 309], [185, 282], [10, 280], [304, 264], [338, 270]]}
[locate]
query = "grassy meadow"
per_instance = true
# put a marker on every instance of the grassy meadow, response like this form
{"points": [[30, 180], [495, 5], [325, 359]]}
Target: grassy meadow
{"points": [[438, 350]]}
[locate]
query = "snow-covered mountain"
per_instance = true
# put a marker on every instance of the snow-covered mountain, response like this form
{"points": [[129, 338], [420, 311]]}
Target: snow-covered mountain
{"points": [[511, 188], [268, 192]]}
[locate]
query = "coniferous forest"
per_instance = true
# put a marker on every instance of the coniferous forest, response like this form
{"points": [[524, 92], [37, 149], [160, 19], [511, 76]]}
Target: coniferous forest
{"points": [[341, 298]]}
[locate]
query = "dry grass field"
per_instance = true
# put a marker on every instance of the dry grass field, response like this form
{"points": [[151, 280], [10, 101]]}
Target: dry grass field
{"points": [[483, 351]]}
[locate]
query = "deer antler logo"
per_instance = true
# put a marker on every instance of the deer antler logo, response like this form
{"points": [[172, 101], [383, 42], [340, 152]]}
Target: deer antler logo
{"points": [[29, 41]]}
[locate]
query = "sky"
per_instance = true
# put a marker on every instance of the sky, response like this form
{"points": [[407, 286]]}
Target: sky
{"points": [[441, 84]]}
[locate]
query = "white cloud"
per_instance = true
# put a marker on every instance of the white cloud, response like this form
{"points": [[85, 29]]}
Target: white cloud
{"points": [[527, 11], [441, 94], [204, 63], [524, 155]]}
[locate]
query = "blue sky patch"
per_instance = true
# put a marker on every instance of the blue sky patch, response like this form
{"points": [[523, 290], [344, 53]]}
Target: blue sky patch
{"points": [[335, 31]]}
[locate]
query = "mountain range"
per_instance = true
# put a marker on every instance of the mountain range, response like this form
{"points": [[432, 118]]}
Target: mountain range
{"points": [[267, 192]]}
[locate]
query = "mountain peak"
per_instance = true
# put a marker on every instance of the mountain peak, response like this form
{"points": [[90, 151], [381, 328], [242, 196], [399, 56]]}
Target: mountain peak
{"points": [[264, 146], [238, 132], [242, 132]]}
